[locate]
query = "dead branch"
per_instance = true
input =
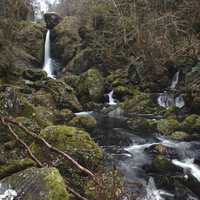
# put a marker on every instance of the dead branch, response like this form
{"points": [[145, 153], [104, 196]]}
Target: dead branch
{"points": [[76, 194], [49, 146], [21, 142]]}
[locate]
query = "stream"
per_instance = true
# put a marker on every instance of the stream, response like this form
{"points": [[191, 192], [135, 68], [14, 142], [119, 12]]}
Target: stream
{"points": [[131, 160]]}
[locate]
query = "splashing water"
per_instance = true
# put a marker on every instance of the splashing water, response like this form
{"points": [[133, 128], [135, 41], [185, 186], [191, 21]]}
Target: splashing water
{"points": [[47, 56], [8, 194], [188, 164], [166, 100], [179, 102], [111, 100], [152, 193]]}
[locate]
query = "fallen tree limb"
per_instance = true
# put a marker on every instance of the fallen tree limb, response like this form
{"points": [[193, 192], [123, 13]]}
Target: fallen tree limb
{"points": [[21, 142], [76, 194], [49, 146]]}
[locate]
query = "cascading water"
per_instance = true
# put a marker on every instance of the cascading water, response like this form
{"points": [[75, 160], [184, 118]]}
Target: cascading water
{"points": [[47, 56], [168, 99], [175, 80], [111, 99]]}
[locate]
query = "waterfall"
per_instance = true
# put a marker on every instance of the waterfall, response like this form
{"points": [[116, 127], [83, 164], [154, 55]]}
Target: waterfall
{"points": [[179, 101], [175, 80], [168, 99], [47, 56], [111, 100]]}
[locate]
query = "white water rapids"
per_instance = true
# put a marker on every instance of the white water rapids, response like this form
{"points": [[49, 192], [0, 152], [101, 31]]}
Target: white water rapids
{"points": [[47, 56]]}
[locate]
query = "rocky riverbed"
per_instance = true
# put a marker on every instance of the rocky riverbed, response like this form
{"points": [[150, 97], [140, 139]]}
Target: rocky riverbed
{"points": [[105, 110]]}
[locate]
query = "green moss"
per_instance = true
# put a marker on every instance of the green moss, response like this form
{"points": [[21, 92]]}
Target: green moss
{"points": [[55, 185], [43, 183], [43, 116], [15, 166], [191, 123], [91, 86], [85, 122], [63, 116], [161, 164], [34, 74], [72, 140], [140, 103], [168, 126], [179, 135]]}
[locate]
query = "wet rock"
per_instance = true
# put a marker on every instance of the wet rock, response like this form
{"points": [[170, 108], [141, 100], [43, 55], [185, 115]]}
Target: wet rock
{"points": [[159, 149], [72, 140], [52, 19], [36, 184], [86, 122], [160, 164]]}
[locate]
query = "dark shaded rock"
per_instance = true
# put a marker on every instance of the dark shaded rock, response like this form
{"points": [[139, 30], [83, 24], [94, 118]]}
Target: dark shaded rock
{"points": [[52, 19]]}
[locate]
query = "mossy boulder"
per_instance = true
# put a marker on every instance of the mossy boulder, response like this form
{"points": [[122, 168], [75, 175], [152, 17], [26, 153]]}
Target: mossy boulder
{"points": [[191, 123], [43, 98], [14, 166], [63, 116], [86, 122], [141, 124], [64, 95], [122, 92], [139, 103], [168, 126], [91, 86], [180, 135], [34, 74], [14, 103], [162, 164], [43, 116], [44, 183], [74, 141]]}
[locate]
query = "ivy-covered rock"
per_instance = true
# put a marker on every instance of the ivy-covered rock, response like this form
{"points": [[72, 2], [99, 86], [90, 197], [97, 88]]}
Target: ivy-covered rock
{"points": [[72, 140], [43, 184]]}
